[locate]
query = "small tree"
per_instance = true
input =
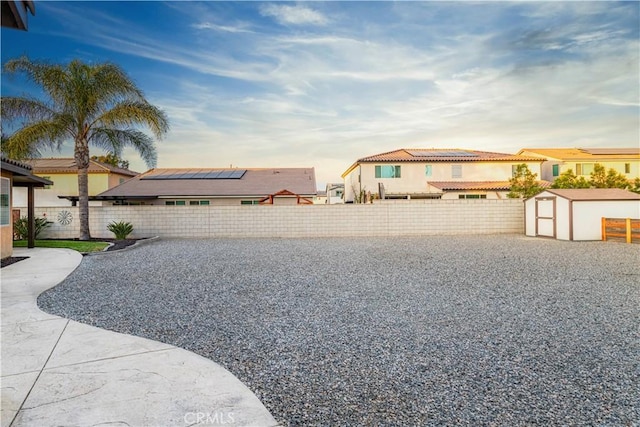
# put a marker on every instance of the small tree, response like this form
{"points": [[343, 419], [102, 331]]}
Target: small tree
{"points": [[524, 183], [601, 178], [112, 159], [569, 180]]}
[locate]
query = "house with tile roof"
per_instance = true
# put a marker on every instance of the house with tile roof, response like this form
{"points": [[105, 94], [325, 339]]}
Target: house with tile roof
{"points": [[64, 175], [582, 160], [193, 187], [436, 173]]}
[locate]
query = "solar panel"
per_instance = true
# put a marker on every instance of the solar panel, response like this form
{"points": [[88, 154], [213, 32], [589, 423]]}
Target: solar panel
{"points": [[442, 154], [203, 174]]}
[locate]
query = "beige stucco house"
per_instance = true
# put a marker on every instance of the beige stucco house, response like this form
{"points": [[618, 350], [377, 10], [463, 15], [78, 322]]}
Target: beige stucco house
{"points": [[582, 160], [64, 175], [416, 173]]}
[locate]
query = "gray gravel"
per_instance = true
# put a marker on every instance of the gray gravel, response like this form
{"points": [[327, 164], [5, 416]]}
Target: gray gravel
{"points": [[475, 330]]}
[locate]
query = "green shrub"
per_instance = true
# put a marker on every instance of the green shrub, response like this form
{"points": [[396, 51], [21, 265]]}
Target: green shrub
{"points": [[21, 227], [120, 229]]}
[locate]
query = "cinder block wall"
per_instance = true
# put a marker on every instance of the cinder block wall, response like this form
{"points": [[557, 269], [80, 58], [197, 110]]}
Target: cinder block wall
{"points": [[415, 218]]}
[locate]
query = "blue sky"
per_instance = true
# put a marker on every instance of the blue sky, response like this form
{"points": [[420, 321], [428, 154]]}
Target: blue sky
{"points": [[299, 84]]}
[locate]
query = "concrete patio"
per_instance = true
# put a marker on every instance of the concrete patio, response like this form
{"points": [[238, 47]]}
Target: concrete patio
{"points": [[59, 372]]}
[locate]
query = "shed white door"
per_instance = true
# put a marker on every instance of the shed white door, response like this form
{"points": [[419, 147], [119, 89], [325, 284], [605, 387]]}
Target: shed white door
{"points": [[546, 216]]}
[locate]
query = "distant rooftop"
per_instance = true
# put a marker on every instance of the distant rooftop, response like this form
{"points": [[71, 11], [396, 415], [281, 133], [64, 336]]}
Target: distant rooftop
{"points": [[68, 165], [593, 154], [199, 182], [443, 155]]}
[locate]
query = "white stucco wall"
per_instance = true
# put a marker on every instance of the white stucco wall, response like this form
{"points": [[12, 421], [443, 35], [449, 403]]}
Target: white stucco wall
{"points": [[587, 216], [414, 180]]}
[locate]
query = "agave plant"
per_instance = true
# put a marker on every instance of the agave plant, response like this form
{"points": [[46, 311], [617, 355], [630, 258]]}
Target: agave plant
{"points": [[120, 229]]}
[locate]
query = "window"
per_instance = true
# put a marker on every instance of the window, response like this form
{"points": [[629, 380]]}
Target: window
{"points": [[472, 196], [249, 202], [556, 170], [387, 171], [170, 203], [456, 171], [175, 203], [198, 203], [584, 168], [5, 201], [627, 168], [428, 170]]}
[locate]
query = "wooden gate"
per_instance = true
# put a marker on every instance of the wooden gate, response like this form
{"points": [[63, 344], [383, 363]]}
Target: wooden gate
{"points": [[546, 216]]}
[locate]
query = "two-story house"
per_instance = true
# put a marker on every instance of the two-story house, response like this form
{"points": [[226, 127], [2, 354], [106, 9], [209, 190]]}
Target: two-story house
{"points": [[64, 175], [416, 173], [582, 160]]}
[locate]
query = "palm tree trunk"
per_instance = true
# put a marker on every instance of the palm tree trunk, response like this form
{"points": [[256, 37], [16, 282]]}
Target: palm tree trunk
{"points": [[82, 162]]}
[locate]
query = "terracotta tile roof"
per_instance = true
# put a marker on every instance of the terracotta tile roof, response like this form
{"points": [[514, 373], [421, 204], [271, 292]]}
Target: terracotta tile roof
{"points": [[478, 185], [68, 165], [595, 194], [444, 155], [255, 182], [587, 154]]}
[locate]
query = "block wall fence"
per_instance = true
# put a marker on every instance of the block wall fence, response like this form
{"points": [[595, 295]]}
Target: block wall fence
{"points": [[402, 218]]}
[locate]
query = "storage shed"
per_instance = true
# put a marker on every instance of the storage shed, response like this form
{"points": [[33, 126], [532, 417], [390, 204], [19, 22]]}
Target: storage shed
{"points": [[576, 214]]}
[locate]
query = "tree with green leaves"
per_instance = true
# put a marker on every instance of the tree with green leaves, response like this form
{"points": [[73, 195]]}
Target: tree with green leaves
{"points": [[111, 159], [91, 104], [601, 178], [568, 179], [524, 183]]}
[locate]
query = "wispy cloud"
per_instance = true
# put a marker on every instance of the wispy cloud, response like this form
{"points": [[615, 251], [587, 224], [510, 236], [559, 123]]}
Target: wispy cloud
{"points": [[340, 80], [295, 15], [223, 28]]}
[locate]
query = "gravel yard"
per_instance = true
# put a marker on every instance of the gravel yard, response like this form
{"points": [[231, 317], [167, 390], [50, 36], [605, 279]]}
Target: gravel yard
{"points": [[455, 330]]}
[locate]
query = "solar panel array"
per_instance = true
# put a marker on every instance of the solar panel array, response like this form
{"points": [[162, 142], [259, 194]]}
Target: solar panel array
{"points": [[202, 174], [429, 153]]}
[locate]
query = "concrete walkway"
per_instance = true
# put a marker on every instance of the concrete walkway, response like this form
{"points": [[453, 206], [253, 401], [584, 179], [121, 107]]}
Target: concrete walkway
{"points": [[57, 372]]}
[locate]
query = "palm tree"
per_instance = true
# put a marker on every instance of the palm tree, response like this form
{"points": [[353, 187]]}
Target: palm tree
{"points": [[96, 105]]}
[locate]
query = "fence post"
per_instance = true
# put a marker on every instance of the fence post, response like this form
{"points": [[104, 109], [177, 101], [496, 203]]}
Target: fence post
{"points": [[604, 229], [628, 226]]}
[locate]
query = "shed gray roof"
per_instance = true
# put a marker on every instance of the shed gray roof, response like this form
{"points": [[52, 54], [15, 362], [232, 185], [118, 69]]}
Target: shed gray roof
{"points": [[255, 183], [585, 194]]}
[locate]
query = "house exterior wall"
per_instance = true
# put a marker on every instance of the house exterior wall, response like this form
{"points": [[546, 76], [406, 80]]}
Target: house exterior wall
{"points": [[391, 218], [413, 176], [565, 165], [63, 185], [6, 230]]}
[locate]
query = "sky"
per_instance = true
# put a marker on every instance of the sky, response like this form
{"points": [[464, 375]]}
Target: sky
{"points": [[321, 84]]}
